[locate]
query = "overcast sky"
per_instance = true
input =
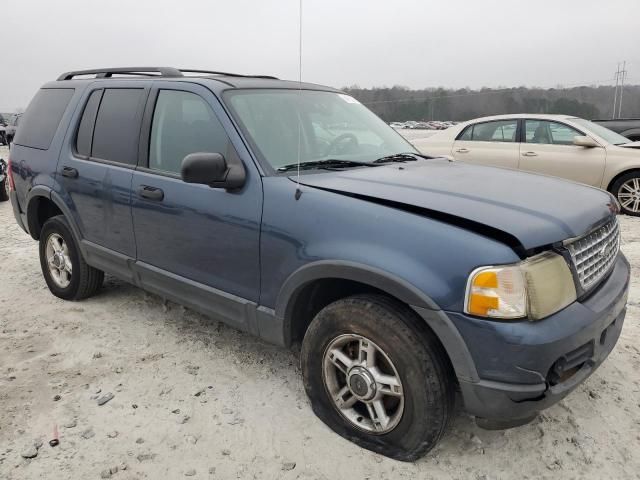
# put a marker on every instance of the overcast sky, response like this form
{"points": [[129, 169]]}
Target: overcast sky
{"points": [[416, 43]]}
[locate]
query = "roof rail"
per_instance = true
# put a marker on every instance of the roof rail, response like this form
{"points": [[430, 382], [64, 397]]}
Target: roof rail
{"points": [[149, 71], [108, 72], [226, 74]]}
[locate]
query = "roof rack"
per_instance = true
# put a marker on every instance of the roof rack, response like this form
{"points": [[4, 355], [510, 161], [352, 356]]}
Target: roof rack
{"points": [[149, 72]]}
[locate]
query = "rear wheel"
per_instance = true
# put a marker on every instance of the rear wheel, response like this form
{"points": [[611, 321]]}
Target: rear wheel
{"points": [[377, 379], [627, 191], [67, 275]]}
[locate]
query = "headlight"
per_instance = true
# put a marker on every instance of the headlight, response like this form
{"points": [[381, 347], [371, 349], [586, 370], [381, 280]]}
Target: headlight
{"points": [[534, 288]]}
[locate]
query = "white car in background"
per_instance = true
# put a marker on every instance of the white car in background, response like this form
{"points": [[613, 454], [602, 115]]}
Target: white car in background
{"points": [[558, 145]]}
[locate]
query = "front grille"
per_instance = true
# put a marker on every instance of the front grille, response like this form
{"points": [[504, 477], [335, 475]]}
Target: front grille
{"points": [[594, 254]]}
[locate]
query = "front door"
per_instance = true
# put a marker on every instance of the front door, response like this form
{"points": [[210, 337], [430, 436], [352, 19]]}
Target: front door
{"points": [[196, 244], [548, 148], [489, 143]]}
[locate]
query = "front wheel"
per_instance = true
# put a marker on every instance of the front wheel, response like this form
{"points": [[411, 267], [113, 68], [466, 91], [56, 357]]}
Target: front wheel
{"points": [[67, 275], [376, 378], [627, 191]]}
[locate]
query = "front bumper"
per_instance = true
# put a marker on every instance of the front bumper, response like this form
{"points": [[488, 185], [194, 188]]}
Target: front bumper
{"points": [[524, 367]]}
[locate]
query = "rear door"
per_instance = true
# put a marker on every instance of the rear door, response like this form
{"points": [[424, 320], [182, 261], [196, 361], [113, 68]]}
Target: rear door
{"points": [[489, 143], [194, 242], [95, 170], [548, 148]]}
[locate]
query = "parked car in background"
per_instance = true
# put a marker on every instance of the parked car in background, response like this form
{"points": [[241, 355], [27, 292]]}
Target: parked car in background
{"points": [[405, 278], [627, 127], [558, 145], [12, 127], [3, 129], [4, 182]]}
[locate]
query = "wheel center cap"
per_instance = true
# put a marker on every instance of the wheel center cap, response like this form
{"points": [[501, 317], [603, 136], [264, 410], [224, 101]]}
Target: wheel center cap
{"points": [[361, 383], [58, 260]]}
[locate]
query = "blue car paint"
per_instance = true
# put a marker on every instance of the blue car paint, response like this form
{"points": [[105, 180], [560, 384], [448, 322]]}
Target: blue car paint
{"points": [[416, 249]]}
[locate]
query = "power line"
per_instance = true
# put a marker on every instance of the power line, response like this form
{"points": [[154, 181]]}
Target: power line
{"points": [[615, 92], [623, 74]]}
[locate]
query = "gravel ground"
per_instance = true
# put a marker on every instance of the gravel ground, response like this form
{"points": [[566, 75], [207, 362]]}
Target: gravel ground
{"points": [[195, 398]]}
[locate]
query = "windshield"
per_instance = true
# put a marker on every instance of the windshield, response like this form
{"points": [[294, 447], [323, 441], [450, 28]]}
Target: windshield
{"points": [[603, 132], [321, 125]]}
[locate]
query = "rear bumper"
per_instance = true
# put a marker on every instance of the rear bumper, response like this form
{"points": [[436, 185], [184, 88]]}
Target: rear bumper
{"points": [[525, 367], [21, 219]]}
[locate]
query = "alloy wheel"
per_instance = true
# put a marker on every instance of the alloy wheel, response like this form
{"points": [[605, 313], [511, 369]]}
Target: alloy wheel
{"points": [[363, 383], [58, 260], [629, 195]]}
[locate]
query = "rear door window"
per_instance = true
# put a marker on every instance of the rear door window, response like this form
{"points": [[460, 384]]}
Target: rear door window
{"points": [[85, 130], [501, 131], [117, 126], [40, 122]]}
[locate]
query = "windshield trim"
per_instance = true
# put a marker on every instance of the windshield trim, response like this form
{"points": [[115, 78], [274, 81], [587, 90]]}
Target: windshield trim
{"points": [[265, 166]]}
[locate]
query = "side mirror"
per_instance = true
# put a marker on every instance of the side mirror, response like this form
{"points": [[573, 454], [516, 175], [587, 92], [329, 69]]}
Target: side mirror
{"points": [[584, 141], [212, 169]]}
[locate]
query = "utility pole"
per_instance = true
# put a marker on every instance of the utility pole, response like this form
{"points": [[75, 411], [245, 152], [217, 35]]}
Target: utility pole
{"points": [[623, 75], [615, 93]]}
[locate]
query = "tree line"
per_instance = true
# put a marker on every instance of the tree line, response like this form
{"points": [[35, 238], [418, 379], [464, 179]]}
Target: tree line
{"points": [[401, 104]]}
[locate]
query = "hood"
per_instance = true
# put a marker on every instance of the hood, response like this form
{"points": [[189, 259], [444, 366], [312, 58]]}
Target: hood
{"points": [[534, 210], [630, 145]]}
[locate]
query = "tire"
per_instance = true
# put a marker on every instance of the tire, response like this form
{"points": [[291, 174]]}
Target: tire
{"points": [[4, 190], [80, 280], [627, 191], [427, 381]]}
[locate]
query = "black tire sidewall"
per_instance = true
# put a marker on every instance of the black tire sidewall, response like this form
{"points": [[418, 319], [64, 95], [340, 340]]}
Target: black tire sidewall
{"points": [[60, 226], [425, 410], [4, 196], [615, 189]]}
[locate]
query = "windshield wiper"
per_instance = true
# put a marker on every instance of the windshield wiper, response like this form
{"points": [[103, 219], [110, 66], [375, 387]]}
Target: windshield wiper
{"points": [[329, 163], [401, 157]]}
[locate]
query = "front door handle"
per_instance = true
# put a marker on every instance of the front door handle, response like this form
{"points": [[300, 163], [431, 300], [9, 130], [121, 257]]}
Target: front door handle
{"points": [[529, 154], [462, 150], [152, 193], [69, 172]]}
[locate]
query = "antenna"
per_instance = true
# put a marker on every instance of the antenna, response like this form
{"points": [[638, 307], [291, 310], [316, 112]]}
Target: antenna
{"points": [[298, 191]]}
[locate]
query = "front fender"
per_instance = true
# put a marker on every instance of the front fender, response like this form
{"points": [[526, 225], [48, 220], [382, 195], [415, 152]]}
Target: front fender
{"points": [[395, 286], [385, 281]]}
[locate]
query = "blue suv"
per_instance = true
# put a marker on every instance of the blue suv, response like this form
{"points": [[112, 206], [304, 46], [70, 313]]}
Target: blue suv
{"points": [[292, 212]]}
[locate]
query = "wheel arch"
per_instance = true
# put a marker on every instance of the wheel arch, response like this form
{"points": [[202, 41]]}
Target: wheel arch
{"points": [[620, 174], [42, 204], [315, 285]]}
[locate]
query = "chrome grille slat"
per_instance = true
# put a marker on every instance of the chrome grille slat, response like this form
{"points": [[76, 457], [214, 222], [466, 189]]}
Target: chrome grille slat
{"points": [[594, 254]]}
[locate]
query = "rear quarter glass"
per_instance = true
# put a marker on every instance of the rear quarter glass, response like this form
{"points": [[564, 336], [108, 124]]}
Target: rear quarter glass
{"points": [[39, 123]]}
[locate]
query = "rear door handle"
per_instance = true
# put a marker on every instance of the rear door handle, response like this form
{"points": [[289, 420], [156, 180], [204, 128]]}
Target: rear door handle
{"points": [[462, 150], [529, 154], [152, 193], [69, 172]]}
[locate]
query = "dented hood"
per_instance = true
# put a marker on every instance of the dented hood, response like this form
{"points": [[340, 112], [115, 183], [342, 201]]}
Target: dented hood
{"points": [[535, 210]]}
